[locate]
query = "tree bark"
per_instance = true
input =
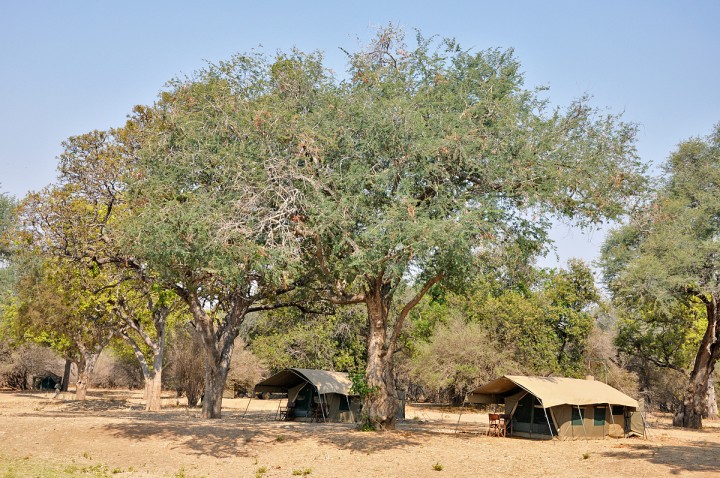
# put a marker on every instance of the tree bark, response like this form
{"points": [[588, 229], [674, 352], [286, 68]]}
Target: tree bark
{"points": [[380, 404], [218, 343], [153, 400], [86, 365], [712, 406], [153, 378], [66, 375], [215, 378], [694, 404]]}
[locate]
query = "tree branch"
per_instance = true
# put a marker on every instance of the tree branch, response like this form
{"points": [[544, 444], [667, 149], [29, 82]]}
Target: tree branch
{"points": [[409, 306]]}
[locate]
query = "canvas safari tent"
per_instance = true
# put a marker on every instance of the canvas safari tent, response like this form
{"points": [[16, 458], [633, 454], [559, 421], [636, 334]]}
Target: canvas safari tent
{"points": [[564, 408], [311, 390]]}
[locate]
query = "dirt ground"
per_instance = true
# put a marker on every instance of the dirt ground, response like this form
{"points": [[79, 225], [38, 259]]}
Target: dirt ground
{"points": [[111, 435]]}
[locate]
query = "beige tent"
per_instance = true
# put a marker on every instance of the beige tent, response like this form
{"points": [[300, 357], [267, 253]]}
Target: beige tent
{"points": [[558, 407], [307, 388]]}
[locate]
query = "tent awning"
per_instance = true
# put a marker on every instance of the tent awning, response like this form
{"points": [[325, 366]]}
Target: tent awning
{"points": [[324, 381], [552, 391]]}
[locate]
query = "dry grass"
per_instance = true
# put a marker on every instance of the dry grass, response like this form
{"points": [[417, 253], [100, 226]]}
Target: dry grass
{"points": [[111, 435]]}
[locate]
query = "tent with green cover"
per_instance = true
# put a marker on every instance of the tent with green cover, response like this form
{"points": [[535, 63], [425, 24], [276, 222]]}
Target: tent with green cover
{"points": [[563, 408], [310, 390]]}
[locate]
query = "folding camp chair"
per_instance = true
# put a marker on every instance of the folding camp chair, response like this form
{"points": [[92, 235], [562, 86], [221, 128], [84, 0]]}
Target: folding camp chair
{"points": [[287, 412], [496, 428]]}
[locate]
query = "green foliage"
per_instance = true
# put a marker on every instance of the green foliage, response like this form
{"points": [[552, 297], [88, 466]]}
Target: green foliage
{"points": [[669, 250], [7, 266], [667, 337], [661, 268], [360, 385], [7, 220], [63, 307], [429, 154], [287, 338], [539, 328]]}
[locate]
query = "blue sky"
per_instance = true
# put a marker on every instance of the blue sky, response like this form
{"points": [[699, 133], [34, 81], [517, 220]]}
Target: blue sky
{"points": [[72, 66]]}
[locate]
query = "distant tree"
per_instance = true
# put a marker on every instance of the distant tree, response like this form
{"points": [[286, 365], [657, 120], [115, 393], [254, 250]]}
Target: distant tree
{"points": [[666, 260], [542, 326], [665, 337], [7, 219], [59, 306]]}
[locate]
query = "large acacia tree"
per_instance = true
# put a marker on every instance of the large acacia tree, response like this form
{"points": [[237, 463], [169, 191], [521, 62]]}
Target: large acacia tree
{"points": [[428, 162], [667, 259]]}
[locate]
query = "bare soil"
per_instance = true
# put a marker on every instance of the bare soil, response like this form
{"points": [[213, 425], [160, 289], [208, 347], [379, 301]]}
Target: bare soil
{"points": [[111, 435]]}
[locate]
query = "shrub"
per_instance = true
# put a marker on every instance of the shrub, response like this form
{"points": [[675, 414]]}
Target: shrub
{"points": [[19, 364], [186, 364], [443, 365]]}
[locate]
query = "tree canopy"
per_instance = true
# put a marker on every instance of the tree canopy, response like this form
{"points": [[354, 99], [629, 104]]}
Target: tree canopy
{"points": [[430, 161], [665, 260]]}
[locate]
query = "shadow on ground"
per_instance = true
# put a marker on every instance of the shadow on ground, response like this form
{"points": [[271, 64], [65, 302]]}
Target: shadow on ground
{"points": [[235, 435], [697, 456]]}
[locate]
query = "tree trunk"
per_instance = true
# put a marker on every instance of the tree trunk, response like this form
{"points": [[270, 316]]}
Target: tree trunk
{"points": [[66, 375], [694, 404], [712, 406], [153, 392], [215, 378], [86, 364], [380, 404], [218, 343]]}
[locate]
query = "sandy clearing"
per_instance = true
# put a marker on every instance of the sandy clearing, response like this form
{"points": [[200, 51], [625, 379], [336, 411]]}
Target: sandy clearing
{"points": [[112, 429]]}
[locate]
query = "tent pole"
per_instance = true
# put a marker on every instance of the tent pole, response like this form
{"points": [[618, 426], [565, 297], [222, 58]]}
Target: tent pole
{"points": [[248, 405], [552, 437], [347, 400], [322, 408], [461, 412], [582, 420]]}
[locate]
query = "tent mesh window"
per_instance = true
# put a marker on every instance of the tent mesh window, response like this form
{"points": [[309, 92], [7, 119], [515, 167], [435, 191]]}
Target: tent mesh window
{"points": [[618, 410], [599, 416], [576, 419]]}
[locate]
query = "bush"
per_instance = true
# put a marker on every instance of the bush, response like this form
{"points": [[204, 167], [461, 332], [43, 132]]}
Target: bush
{"points": [[245, 369], [186, 364], [19, 364], [117, 371], [458, 358]]}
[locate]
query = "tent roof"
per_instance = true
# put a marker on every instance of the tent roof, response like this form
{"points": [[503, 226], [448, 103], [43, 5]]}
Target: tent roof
{"points": [[552, 391], [324, 381]]}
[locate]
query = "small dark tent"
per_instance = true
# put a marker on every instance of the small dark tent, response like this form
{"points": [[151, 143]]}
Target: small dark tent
{"points": [[46, 381], [308, 388], [564, 408]]}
